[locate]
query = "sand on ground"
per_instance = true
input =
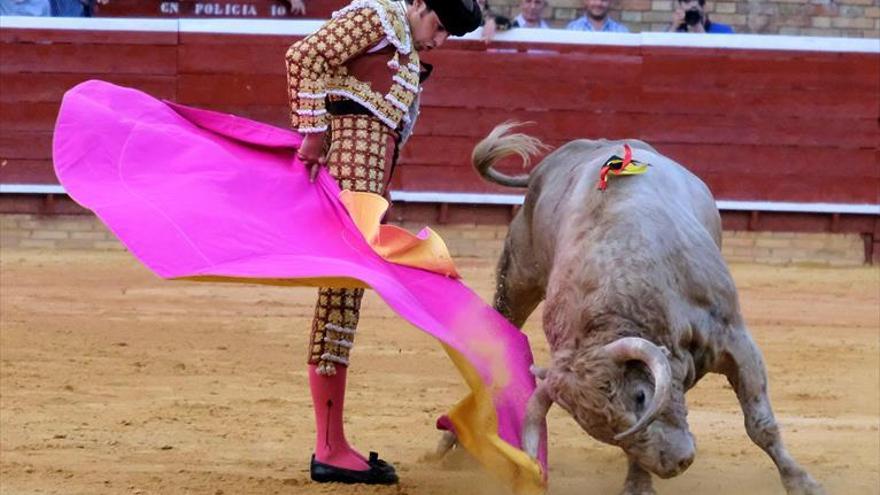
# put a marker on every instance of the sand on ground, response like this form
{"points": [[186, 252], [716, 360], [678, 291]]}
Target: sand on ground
{"points": [[113, 381]]}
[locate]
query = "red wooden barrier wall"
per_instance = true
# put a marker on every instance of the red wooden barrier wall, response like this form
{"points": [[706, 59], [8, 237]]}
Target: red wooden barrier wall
{"points": [[755, 125], [761, 125], [315, 9]]}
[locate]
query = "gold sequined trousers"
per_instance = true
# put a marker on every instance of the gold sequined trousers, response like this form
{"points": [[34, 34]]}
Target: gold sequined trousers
{"points": [[361, 149]]}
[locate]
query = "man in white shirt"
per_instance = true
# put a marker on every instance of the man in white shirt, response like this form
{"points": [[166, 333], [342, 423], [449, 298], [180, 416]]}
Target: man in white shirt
{"points": [[530, 15]]}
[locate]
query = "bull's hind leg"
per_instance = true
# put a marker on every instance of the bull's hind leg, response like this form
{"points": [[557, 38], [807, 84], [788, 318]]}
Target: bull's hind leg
{"points": [[517, 290], [745, 370], [638, 481]]}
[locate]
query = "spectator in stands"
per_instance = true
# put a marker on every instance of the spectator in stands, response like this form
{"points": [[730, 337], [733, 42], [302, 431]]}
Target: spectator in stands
{"points": [[492, 22], [75, 8], [25, 7], [530, 15], [596, 18], [690, 17]]}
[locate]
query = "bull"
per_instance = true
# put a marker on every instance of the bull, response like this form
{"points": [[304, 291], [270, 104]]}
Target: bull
{"points": [[639, 303]]}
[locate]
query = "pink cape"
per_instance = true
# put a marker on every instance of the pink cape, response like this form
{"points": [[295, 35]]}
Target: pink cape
{"points": [[199, 194]]}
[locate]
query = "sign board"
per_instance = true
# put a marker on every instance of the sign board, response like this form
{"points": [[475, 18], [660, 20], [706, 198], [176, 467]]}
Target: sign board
{"points": [[245, 9]]}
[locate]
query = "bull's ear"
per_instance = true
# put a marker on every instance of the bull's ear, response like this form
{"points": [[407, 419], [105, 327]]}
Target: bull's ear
{"points": [[638, 349]]}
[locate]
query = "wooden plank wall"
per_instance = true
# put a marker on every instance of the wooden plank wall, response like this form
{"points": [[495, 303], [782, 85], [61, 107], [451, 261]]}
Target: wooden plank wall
{"points": [[243, 9], [775, 126], [754, 124], [38, 65]]}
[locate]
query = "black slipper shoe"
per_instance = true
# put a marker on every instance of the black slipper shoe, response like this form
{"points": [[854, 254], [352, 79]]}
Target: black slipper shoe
{"points": [[374, 461], [378, 474]]}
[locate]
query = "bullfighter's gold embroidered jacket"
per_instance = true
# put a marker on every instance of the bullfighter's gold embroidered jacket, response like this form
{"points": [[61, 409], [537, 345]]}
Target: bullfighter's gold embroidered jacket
{"points": [[364, 53]]}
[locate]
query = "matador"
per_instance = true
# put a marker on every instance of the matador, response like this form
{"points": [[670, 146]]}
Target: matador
{"points": [[354, 94]]}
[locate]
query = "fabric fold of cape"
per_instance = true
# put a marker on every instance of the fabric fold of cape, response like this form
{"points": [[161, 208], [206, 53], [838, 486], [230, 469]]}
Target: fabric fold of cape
{"points": [[208, 196]]}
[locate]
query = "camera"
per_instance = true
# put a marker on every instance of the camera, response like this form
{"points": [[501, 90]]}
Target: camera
{"points": [[692, 17]]}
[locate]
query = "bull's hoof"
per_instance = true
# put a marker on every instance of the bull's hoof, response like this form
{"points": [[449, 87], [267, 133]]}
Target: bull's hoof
{"points": [[639, 491], [447, 443], [803, 485]]}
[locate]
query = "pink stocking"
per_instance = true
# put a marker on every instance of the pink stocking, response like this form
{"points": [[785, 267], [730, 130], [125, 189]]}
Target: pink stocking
{"points": [[328, 398]]}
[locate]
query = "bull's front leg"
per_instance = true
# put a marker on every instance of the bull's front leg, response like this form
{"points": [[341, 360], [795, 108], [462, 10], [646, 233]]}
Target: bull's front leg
{"points": [[745, 370], [638, 480], [516, 297], [517, 293]]}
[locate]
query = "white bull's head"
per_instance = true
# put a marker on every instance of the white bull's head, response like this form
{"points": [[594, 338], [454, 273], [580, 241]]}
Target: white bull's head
{"points": [[622, 394]]}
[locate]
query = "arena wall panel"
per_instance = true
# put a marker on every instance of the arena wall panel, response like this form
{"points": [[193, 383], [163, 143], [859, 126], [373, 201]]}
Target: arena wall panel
{"points": [[772, 119]]}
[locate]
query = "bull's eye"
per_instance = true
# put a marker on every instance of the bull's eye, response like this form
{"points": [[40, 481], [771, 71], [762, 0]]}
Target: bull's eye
{"points": [[640, 399]]}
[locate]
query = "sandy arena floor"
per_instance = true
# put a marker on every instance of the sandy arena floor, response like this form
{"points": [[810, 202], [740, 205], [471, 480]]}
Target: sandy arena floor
{"points": [[115, 382]]}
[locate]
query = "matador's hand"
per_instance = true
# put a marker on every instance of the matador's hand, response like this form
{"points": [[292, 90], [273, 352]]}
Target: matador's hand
{"points": [[489, 30], [311, 153], [297, 7]]}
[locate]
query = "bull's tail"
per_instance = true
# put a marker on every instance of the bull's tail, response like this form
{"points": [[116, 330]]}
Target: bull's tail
{"points": [[499, 144]]}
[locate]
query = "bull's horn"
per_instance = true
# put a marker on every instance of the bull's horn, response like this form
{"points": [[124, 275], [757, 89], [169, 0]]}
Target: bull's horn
{"points": [[638, 349], [538, 372], [536, 415]]}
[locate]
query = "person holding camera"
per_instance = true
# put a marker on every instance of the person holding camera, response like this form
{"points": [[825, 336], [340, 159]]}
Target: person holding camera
{"points": [[690, 17]]}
